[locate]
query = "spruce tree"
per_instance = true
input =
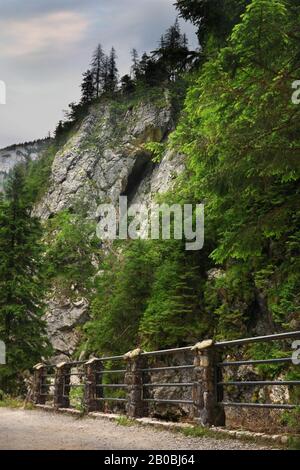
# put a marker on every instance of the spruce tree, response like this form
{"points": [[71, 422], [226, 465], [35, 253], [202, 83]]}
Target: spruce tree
{"points": [[135, 64], [59, 130], [173, 38], [105, 75], [87, 88], [97, 64], [143, 65], [173, 55], [127, 85], [21, 287], [112, 76]]}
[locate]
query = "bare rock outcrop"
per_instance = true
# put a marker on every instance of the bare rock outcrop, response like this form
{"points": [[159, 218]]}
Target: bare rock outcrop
{"points": [[106, 158], [12, 156]]}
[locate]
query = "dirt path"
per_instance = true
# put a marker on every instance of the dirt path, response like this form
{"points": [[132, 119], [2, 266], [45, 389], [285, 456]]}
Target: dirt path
{"points": [[38, 430]]}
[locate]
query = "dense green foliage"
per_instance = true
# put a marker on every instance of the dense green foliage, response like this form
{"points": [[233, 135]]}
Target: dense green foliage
{"points": [[21, 285], [240, 133], [38, 174], [36, 259], [239, 130], [122, 291], [174, 312], [148, 293], [71, 253], [214, 18]]}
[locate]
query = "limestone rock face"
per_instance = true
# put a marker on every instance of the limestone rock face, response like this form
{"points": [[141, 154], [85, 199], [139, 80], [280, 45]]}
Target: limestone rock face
{"points": [[106, 158], [158, 179], [12, 156], [62, 317], [103, 159]]}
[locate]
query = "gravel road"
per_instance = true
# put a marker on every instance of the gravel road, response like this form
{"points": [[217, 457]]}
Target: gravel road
{"points": [[39, 430]]}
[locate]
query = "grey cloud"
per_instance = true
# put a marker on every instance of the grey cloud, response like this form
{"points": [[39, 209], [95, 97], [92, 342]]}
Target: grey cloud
{"points": [[32, 8], [46, 76]]}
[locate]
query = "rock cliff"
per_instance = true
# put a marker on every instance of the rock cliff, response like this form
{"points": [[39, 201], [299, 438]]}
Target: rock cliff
{"points": [[11, 156], [104, 158]]}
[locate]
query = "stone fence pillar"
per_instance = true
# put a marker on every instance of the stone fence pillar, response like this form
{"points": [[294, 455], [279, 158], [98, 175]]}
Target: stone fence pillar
{"points": [[136, 407], [206, 409], [62, 386], [92, 392], [38, 394]]}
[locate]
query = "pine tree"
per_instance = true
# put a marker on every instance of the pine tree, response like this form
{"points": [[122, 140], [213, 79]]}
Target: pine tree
{"points": [[127, 85], [112, 72], [104, 74], [135, 64], [162, 43], [97, 64], [173, 38], [185, 41], [173, 55], [143, 65], [87, 88], [149, 71], [21, 286], [59, 130]]}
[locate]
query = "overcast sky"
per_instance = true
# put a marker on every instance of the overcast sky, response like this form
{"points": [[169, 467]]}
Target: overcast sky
{"points": [[46, 45]]}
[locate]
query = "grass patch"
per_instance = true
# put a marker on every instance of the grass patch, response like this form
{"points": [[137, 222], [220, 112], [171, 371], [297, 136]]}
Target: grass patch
{"points": [[201, 432], [14, 403], [77, 398], [294, 443], [292, 419], [11, 403], [124, 421]]}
